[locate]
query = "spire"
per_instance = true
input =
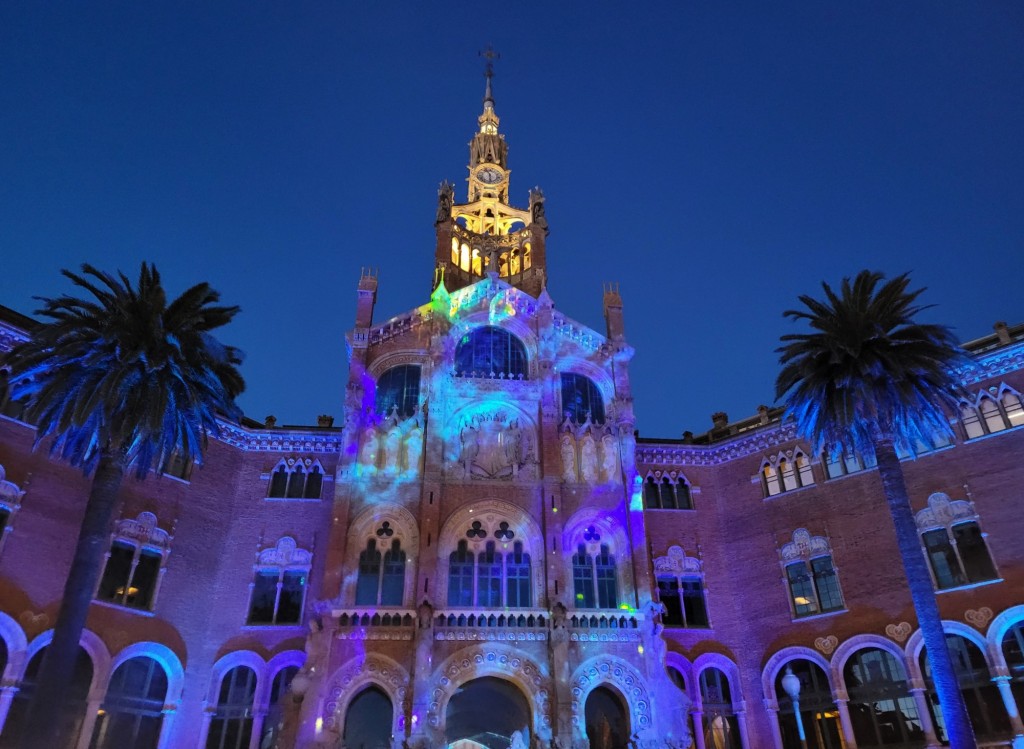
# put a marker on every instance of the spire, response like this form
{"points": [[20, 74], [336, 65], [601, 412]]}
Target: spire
{"points": [[490, 55]]}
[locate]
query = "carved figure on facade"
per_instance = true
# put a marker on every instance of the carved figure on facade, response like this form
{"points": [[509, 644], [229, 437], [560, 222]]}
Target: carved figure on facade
{"points": [[495, 445], [392, 447], [568, 449], [445, 200], [609, 459], [537, 216]]}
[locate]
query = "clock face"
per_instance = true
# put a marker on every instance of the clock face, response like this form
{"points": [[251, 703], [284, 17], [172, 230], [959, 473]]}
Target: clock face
{"points": [[489, 176]]}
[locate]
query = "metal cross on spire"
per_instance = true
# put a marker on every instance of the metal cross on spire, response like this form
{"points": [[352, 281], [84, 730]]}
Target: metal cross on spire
{"points": [[490, 55]]}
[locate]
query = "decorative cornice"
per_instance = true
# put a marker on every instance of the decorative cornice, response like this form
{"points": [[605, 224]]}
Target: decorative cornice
{"points": [[767, 438], [10, 337], [995, 364], [280, 441]]}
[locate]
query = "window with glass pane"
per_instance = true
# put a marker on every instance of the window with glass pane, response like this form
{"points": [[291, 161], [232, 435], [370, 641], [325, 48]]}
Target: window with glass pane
{"points": [[984, 704], [1013, 408], [826, 584], [392, 582], [685, 501], [581, 399], [75, 697], [695, 608], [488, 583], [296, 482], [972, 422], [801, 589], [517, 572], [805, 476], [132, 711], [490, 351], [882, 710], [273, 723], [368, 579], [789, 481], [583, 579], [293, 592], [398, 390], [668, 494], [942, 559], [264, 597], [279, 482], [990, 413], [460, 576], [771, 481], [231, 725], [130, 576], [607, 585], [818, 712], [314, 483], [720, 724], [671, 598], [652, 497], [973, 553], [277, 596]]}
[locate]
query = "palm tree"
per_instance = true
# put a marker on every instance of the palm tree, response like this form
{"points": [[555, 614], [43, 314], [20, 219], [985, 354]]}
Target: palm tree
{"points": [[116, 383], [870, 379]]}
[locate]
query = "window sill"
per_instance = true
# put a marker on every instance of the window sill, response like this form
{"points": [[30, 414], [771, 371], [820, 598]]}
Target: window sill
{"points": [[122, 607], [292, 499], [981, 437], [178, 479], [968, 586], [789, 492], [671, 509], [688, 628], [822, 615], [269, 627]]}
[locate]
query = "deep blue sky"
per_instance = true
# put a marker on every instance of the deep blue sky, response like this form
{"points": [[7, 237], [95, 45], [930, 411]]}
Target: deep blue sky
{"points": [[716, 159]]}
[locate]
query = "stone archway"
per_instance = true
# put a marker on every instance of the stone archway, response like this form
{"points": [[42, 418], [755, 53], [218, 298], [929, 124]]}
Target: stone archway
{"points": [[607, 719], [488, 713]]}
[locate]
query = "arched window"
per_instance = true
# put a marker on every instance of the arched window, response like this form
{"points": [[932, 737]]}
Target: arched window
{"points": [[581, 399], [810, 575], [786, 473], [995, 412], [491, 352], [398, 390], [488, 577], [274, 720], [368, 582], [296, 479], [75, 698], [132, 711], [460, 576], [670, 493], [607, 720], [817, 709], [392, 580], [652, 495], [721, 725], [984, 704], [583, 579], [882, 709], [517, 577], [368, 720], [131, 575], [231, 724], [1013, 652]]}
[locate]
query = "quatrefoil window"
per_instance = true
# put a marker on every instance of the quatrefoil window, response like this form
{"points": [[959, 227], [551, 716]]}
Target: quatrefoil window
{"points": [[504, 532], [385, 530], [591, 534], [476, 530]]}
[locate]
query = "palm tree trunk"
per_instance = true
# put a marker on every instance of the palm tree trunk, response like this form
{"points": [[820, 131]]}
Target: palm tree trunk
{"points": [[922, 593], [48, 723]]}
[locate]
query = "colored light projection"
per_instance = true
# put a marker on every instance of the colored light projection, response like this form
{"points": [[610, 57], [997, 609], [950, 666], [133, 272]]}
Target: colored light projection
{"points": [[472, 404]]}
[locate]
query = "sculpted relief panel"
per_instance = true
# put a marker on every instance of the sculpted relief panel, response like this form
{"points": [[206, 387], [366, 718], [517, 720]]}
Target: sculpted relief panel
{"points": [[497, 444]]}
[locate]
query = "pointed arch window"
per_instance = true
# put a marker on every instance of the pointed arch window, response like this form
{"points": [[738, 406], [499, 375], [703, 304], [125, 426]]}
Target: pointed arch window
{"points": [[994, 411], [398, 390], [296, 479], [489, 351], [595, 578], [581, 399], [517, 578], [785, 473], [667, 492], [461, 569], [490, 578]]}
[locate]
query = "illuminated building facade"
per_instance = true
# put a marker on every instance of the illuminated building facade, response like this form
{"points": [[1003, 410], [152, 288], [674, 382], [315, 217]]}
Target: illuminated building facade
{"points": [[483, 554]]}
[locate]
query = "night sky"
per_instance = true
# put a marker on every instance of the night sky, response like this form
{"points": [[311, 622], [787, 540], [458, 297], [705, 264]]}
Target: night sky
{"points": [[716, 160]]}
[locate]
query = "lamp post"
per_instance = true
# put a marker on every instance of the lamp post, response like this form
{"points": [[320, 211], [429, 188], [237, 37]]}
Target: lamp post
{"points": [[791, 683]]}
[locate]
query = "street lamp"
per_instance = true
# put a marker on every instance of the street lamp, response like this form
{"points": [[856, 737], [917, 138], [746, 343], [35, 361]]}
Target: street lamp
{"points": [[791, 683]]}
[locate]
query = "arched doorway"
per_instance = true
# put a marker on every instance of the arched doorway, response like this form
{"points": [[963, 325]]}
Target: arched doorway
{"points": [[368, 720], [607, 720], [488, 713]]}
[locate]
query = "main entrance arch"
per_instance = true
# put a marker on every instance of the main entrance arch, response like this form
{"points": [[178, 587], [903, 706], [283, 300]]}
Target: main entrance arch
{"points": [[488, 713]]}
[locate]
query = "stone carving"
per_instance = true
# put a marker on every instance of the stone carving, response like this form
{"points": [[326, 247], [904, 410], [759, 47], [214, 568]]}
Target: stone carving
{"points": [[899, 632], [371, 668], [10, 493], [33, 622], [978, 617], [804, 546], [568, 448], [392, 447], [285, 554], [677, 563], [628, 681], [588, 459], [445, 200], [368, 452], [537, 217], [143, 529], [609, 460], [495, 446], [943, 511], [827, 644]]}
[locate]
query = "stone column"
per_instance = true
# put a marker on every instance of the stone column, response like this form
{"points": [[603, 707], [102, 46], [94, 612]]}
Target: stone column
{"points": [[92, 709], [166, 725], [1005, 691], [258, 717], [741, 720], [773, 720], [204, 728], [842, 705], [921, 700], [698, 729], [7, 693]]}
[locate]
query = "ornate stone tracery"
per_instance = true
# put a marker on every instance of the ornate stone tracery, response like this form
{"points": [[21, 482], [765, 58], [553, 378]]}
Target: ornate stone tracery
{"points": [[609, 670], [943, 512], [356, 675]]}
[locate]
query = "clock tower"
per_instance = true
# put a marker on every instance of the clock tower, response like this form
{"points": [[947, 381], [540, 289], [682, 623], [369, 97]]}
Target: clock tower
{"points": [[486, 234]]}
